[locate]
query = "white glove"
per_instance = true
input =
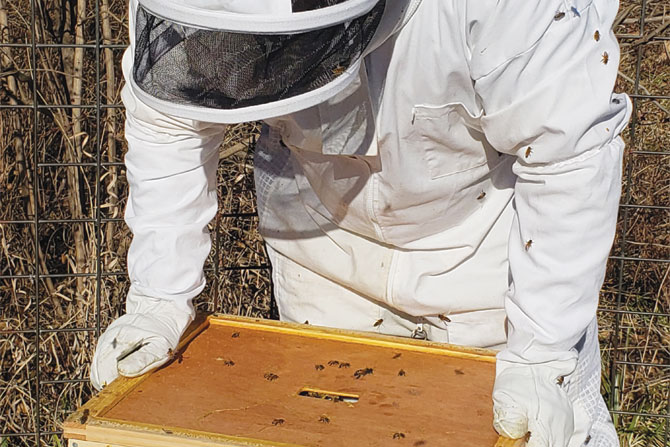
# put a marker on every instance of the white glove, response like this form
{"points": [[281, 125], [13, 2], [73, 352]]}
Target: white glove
{"points": [[533, 398], [151, 327]]}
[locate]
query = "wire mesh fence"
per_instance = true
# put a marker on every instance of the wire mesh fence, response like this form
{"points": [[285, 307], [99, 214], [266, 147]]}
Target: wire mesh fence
{"points": [[63, 241]]}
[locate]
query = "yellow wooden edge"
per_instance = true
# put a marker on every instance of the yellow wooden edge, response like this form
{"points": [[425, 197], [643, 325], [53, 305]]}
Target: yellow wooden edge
{"points": [[506, 442], [88, 423], [82, 443], [370, 339], [150, 435], [308, 389]]}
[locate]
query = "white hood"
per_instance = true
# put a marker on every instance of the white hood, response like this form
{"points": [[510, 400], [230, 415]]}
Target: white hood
{"points": [[259, 42]]}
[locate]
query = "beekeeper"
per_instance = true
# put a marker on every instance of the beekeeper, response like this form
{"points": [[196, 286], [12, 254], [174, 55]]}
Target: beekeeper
{"points": [[444, 169]]}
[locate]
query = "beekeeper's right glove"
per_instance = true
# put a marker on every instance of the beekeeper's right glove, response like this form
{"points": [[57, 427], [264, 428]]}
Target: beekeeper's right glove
{"points": [[140, 340]]}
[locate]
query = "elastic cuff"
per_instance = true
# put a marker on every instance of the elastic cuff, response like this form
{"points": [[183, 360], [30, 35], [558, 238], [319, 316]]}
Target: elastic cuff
{"points": [[182, 302]]}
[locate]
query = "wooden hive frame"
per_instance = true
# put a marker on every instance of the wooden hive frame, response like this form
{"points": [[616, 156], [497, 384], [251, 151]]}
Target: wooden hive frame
{"points": [[90, 425]]}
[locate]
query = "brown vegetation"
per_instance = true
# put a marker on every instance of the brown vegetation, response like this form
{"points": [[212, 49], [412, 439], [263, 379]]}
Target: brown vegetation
{"points": [[50, 168]]}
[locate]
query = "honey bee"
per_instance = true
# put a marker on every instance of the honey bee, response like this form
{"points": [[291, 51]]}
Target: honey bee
{"points": [[378, 322], [444, 318], [166, 431], [362, 372], [560, 380], [229, 363], [481, 195], [171, 355], [235, 334], [402, 373], [606, 58], [278, 421], [306, 322], [419, 443], [559, 15], [338, 70], [344, 365], [318, 367], [270, 377], [398, 435], [324, 419], [459, 372], [528, 244], [529, 151], [596, 36], [396, 355], [333, 363], [84, 416]]}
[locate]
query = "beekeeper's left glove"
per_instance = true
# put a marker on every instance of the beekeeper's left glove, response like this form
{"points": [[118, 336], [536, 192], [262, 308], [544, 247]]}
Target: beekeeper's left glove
{"points": [[532, 399], [140, 340]]}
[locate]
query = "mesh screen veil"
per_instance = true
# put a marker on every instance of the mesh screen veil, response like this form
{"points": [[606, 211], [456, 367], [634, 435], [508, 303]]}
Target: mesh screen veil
{"points": [[308, 5], [224, 70]]}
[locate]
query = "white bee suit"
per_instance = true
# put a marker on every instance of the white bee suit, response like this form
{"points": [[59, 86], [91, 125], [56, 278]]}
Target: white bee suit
{"points": [[413, 214], [467, 177]]}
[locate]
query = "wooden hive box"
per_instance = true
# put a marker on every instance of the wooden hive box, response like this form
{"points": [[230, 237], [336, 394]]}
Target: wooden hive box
{"points": [[245, 382]]}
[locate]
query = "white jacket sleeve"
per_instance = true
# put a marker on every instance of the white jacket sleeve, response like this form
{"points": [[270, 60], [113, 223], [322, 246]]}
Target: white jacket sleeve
{"points": [[171, 168], [544, 72]]}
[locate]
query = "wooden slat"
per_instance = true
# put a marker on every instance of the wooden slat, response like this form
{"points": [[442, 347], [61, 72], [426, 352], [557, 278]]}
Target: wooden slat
{"points": [[369, 339], [88, 424]]}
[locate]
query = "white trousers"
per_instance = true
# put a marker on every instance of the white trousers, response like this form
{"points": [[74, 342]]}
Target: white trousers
{"points": [[304, 296]]}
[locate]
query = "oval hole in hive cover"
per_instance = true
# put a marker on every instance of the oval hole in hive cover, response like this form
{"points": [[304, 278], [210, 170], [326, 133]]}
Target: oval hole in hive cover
{"points": [[332, 396]]}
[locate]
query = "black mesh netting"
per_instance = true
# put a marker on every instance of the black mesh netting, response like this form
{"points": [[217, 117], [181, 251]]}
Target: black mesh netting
{"points": [[308, 5], [225, 70]]}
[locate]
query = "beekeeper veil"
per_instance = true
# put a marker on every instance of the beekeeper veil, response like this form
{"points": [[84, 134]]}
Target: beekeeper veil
{"points": [[232, 61]]}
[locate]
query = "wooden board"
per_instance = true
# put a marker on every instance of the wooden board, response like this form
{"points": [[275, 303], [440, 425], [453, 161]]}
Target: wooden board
{"points": [[244, 382]]}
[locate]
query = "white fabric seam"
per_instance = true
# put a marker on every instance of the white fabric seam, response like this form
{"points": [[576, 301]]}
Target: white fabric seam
{"points": [[181, 13]]}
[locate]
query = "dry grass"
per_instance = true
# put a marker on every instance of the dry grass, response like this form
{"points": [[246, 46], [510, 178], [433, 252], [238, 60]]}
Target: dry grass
{"points": [[67, 76]]}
